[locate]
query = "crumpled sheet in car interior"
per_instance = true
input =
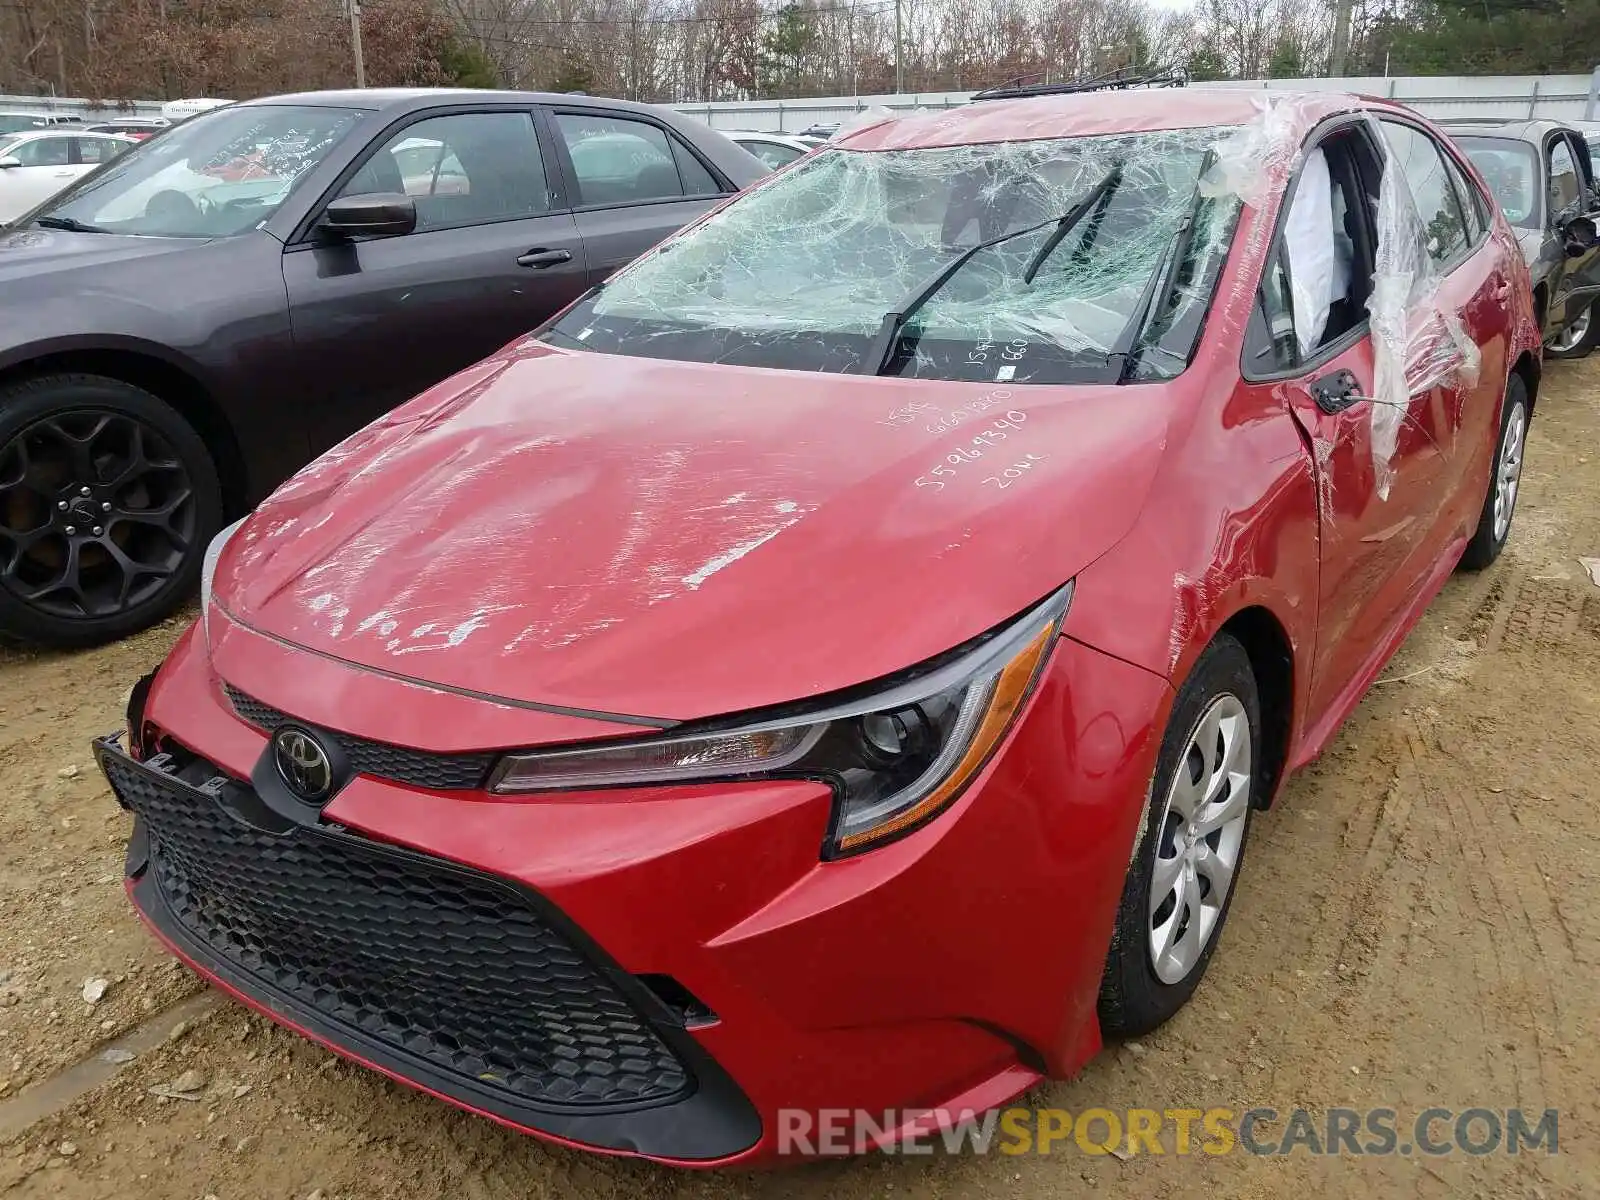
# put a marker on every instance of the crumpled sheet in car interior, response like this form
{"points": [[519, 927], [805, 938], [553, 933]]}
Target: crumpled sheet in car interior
{"points": [[1321, 272]]}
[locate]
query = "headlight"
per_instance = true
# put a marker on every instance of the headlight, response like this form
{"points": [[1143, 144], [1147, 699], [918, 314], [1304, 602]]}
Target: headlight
{"points": [[894, 758], [208, 574]]}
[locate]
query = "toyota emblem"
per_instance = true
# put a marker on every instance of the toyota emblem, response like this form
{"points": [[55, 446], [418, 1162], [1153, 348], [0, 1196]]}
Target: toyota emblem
{"points": [[302, 764]]}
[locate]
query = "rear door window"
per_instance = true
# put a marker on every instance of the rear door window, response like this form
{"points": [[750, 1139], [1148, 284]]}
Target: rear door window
{"points": [[1472, 210], [620, 161], [1422, 162], [98, 150]]}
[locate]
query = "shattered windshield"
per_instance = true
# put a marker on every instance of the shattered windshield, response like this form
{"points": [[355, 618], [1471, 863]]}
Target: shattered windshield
{"points": [[216, 175], [1062, 260]]}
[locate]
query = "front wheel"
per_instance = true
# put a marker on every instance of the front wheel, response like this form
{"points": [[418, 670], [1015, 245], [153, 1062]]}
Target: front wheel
{"points": [[1505, 481], [107, 499], [1578, 339], [1181, 880]]}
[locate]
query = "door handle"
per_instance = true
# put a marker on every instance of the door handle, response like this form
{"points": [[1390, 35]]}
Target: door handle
{"points": [[1337, 392], [539, 259]]}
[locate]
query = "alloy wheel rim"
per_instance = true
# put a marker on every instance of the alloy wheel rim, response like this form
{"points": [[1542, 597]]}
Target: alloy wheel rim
{"points": [[1199, 837], [1573, 334], [97, 513], [1508, 471]]}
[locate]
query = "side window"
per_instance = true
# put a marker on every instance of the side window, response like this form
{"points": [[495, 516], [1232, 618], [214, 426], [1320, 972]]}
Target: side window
{"points": [[466, 169], [772, 154], [618, 161], [697, 181], [1316, 283], [44, 152], [1472, 209], [1316, 291], [1420, 160], [1564, 190], [98, 150]]}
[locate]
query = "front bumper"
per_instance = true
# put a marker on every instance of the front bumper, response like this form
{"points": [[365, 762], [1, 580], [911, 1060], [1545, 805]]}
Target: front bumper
{"points": [[948, 970]]}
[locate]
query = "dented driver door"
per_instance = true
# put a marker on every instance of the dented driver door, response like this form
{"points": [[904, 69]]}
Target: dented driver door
{"points": [[1372, 546], [1310, 339]]}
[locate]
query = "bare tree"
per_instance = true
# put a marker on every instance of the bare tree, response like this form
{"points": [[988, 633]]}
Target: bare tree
{"points": [[657, 50]]}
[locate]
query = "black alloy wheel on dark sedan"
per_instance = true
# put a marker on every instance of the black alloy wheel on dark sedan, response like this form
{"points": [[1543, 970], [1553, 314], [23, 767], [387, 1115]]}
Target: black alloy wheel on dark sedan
{"points": [[105, 495]]}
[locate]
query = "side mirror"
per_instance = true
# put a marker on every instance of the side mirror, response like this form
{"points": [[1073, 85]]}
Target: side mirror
{"points": [[9, 161], [377, 214], [1579, 236]]}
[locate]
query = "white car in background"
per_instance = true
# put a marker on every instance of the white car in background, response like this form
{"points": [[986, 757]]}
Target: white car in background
{"points": [[16, 121], [774, 149], [428, 168], [134, 127], [37, 164]]}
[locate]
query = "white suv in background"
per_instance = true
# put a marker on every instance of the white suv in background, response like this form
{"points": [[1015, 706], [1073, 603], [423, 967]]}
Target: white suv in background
{"points": [[36, 165]]}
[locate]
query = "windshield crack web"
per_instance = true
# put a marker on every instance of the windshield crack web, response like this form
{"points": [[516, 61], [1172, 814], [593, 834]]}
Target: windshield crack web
{"points": [[802, 271]]}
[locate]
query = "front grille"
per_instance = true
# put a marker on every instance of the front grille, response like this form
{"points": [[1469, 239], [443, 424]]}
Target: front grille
{"points": [[431, 961], [419, 768]]}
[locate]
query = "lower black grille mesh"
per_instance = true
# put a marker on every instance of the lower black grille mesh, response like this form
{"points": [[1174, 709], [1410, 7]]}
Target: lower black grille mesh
{"points": [[440, 963], [419, 768]]}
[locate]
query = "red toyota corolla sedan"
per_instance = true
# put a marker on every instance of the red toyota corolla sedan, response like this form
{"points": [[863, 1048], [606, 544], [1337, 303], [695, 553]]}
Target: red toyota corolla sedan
{"points": [[834, 664]]}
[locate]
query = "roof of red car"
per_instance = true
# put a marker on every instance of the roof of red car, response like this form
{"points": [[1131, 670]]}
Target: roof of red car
{"points": [[1090, 114]]}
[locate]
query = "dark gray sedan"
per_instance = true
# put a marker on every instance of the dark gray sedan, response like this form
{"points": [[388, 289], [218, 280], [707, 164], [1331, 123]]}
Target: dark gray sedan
{"points": [[1541, 174], [182, 329]]}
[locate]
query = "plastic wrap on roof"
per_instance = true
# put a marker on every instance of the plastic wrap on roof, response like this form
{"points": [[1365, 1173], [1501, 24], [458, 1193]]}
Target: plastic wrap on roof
{"points": [[1255, 158], [864, 118], [1418, 342]]}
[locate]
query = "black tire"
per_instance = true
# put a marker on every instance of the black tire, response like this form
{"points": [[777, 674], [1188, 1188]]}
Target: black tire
{"points": [[1134, 999], [136, 469], [1487, 542], [1586, 342]]}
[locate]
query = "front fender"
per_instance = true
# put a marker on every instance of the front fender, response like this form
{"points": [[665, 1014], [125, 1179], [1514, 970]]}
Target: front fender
{"points": [[1208, 546]]}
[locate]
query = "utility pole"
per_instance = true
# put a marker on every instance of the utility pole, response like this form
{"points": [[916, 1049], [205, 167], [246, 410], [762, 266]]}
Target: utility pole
{"points": [[355, 42], [899, 71], [1341, 37]]}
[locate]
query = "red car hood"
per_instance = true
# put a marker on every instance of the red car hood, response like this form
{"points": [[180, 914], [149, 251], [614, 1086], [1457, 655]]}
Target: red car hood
{"points": [[677, 540]]}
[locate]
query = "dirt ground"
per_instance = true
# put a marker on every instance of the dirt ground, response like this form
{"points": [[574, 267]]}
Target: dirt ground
{"points": [[1418, 924]]}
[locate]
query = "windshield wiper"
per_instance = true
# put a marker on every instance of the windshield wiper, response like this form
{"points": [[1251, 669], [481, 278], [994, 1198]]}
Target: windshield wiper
{"points": [[1101, 194], [1162, 280], [70, 224], [881, 352]]}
